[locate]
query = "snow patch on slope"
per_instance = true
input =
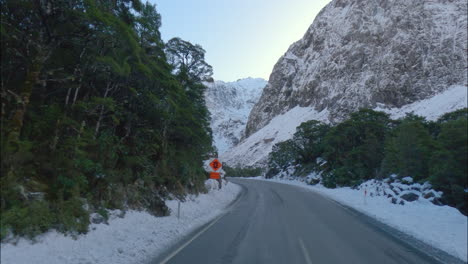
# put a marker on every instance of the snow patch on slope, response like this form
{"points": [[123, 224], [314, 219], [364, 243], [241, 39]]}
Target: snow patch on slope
{"points": [[254, 150], [136, 238], [229, 104], [450, 100]]}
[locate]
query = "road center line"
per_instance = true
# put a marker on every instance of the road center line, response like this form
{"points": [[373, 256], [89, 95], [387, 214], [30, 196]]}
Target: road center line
{"points": [[304, 251]]}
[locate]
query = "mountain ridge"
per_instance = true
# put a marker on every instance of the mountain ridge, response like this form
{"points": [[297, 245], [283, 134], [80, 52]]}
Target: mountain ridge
{"points": [[360, 53], [393, 56], [229, 104]]}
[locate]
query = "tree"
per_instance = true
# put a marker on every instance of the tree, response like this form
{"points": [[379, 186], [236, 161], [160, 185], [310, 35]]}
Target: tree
{"points": [[188, 59], [354, 148], [448, 165], [310, 140], [92, 114], [409, 151], [282, 155]]}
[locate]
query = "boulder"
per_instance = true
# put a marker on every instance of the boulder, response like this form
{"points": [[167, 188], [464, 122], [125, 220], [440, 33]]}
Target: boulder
{"points": [[97, 219], [410, 197], [429, 195], [438, 201]]}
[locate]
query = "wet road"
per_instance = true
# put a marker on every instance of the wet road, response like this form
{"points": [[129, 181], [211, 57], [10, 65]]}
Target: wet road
{"points": [[276, 223]]}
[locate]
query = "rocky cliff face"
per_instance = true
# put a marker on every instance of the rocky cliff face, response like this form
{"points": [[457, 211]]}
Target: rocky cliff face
{"points": [[368, 53], [229, 104]]}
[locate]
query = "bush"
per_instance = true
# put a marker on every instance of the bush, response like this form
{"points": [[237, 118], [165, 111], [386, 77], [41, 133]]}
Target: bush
{"points": [[29, 221], [72, 217], [309, 140], [369, 145], [449, 164], [283, 155], [409, 151], [354, 149]]}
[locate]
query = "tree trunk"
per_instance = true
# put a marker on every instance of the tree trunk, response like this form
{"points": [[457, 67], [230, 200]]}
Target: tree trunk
{"points": [[101, 112], [68, 96], [17, 120], [76, 93]]}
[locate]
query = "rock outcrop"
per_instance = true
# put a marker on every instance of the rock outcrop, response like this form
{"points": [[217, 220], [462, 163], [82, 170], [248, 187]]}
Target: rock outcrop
{"points": [[229, 104], [369, 53]]}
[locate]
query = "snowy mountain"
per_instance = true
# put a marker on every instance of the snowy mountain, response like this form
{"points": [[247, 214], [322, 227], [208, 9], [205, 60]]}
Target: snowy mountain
{"points": [[395, 56], [229, 104], [360, 53], [254, 150]]}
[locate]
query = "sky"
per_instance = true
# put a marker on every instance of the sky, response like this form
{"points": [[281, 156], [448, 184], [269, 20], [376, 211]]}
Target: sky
{"points": [[242, 38]]}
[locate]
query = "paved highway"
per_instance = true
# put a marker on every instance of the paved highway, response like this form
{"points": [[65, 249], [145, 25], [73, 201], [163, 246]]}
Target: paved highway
{"points": [[276, 223]]}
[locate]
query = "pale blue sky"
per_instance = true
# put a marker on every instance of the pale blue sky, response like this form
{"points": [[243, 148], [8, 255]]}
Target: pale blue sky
{"points": [[242, 38]]}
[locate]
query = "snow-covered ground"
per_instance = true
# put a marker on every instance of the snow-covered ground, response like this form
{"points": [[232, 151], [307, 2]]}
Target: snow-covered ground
{"points": [[443, 227], [432, 108], [254, 150], [229, 104], [135, 238]]}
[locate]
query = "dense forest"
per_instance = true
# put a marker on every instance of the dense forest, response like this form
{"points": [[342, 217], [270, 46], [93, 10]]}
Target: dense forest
{"points": [[97, 113], [370, 145]]}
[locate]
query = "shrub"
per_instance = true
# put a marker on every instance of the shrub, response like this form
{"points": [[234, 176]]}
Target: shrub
{"points": [[29, 221]]}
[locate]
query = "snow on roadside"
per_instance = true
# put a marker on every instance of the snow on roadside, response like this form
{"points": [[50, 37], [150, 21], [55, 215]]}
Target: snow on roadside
{"points": [[443, 227], [135, 238]]}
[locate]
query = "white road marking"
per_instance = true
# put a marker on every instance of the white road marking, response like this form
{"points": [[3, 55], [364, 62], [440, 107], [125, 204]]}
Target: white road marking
{"points": [[190, 240], [304, 251], [199, 233]]}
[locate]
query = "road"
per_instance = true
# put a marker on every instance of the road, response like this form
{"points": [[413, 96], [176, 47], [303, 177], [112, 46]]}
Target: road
{"points": [[277, 223]]}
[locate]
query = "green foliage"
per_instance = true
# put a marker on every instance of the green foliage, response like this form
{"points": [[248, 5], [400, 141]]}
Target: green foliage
{"points": [[307, 144], [449, 164], [408, 151], [94, 116], [310, 141], [354, 148], [188, 59], [30, 220], [369, 145], [283, 155], [71, 216], [455, 115]]}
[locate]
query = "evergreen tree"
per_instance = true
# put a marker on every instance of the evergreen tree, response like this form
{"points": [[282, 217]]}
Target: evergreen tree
{"points": [[93, 113], [409, 151], [354, 148], [448, 165]]}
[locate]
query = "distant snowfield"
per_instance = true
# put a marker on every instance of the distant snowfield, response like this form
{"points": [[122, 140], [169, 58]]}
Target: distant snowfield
{"points": [[136, 238], [443, 227], [432, 108], [254, 150], [229, 104]]}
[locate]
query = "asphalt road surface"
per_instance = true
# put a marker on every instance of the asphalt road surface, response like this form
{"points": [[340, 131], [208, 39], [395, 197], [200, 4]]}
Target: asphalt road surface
{"points": [[277, 223]]}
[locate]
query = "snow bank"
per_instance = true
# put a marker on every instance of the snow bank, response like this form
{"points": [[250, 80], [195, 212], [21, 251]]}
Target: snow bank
{"points": [[136, 238], [443, 227]]}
